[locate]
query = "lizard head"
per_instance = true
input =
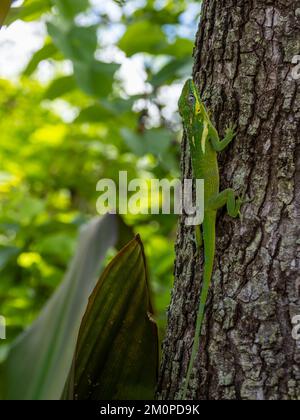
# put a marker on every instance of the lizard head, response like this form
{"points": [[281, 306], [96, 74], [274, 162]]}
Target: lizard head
{"points": [[192, 111], [189, 102]]}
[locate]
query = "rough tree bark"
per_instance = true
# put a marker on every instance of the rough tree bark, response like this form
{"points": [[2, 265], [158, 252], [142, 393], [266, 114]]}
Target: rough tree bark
{"points": [[244, 69]]}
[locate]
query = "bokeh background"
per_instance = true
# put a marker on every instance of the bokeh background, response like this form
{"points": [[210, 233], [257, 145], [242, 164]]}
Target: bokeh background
{"points": [[88, 88]]}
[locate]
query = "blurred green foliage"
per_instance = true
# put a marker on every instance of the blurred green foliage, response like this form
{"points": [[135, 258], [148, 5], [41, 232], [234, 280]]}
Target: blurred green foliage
{"points": [[58, 139]]}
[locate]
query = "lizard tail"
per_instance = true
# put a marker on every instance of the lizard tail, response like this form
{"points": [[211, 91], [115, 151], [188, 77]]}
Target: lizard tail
{"points": [[209, 227]]}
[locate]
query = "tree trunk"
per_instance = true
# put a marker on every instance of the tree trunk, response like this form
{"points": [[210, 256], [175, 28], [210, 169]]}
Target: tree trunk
{"points": [[245, 72]]}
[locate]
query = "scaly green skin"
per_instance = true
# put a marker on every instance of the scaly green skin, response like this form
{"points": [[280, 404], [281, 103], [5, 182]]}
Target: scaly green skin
{"points": [[204, 144]]}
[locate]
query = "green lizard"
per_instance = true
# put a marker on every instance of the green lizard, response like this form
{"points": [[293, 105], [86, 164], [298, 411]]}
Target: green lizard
{"points": [[204, 143]]}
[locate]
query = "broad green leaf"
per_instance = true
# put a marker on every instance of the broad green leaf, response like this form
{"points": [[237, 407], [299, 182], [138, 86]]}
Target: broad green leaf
{"points": [[58, 245], [119, 105], [29, 11], [117, 352], [94, 113], [173, 70], [4, 9], [60, 87], [76, 43], [157, 140], [105, 110], [95, 78], [167, 15], [39, 361], [70, 8], [134, 141], [49, 50], [143, 36], [154, 141], [181, 48], [31, 208], [6, 253]]}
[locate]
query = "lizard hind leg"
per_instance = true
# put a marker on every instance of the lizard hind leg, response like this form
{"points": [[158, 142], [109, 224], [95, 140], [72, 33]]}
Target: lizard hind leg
{"points": [[228, 198]]}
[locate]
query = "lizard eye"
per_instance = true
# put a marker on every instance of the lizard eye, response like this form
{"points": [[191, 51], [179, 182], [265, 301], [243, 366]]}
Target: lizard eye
{"points": [[192, 99]]}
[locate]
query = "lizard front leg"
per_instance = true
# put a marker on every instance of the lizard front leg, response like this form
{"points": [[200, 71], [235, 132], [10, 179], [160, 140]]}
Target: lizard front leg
{"points": [[218, 144], [228, 198]]}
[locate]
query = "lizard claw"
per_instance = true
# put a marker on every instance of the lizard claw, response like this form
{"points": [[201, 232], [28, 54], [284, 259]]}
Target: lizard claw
{"points": [[240, 201], [246, 200], [230, 131]]}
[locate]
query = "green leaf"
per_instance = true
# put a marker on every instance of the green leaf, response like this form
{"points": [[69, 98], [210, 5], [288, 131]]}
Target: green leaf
{"points": [[49, 50], [29, 11], [105, 110], [94, 113], [4, 9], [117, 352], [173, 70], [6, 253], [39, 361], [167, 15], [76, 43], [133, 141], [143, 36], [60, 87], [70, 8], [59, 245], [181, 48], [31, 208], [95, 78], [154, 141]]}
